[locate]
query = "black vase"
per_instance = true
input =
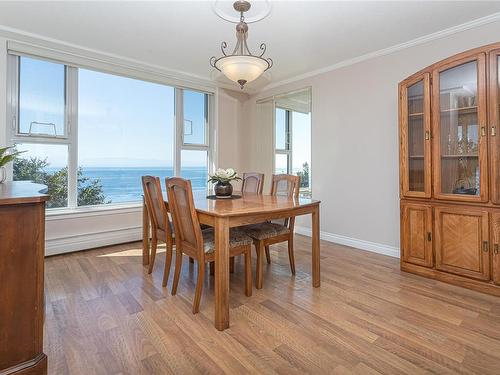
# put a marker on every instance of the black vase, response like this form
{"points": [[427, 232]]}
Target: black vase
{"points": [[223, 189]]}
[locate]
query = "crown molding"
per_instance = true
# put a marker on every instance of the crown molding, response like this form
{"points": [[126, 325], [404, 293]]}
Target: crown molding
{"points": [[173, 75], [386, 51]]}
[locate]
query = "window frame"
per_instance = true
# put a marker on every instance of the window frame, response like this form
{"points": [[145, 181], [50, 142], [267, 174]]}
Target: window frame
{"points": [[71, 128], [288, 140]]}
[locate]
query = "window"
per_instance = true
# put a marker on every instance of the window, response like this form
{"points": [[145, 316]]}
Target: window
{"points": [[293, 145], [90, 136], [125, 131]]}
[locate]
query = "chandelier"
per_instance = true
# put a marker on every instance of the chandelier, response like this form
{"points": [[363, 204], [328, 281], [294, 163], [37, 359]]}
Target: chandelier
{"points": [[241, 66]]}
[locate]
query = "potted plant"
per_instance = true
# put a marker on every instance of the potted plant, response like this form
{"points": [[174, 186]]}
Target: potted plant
{"points": [[6, 156], [222, 179]]}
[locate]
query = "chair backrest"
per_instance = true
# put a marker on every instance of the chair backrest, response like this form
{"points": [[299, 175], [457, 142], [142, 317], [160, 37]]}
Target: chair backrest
{"points": [[186, 223], [252, 182], [286, 185], [155, 204]]}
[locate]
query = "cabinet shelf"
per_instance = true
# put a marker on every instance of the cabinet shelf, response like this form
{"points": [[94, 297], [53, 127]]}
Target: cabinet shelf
{"points": [[416, 114], [416, 156], [458, 156], [462, 110]]}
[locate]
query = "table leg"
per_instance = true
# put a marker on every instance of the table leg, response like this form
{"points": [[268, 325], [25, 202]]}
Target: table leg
{"points": [[145, 234], [315, 248], [221, 273]]}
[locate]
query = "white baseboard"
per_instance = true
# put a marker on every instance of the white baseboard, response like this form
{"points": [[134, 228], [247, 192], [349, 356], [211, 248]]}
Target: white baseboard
{"points": [[353, 242], [86, 241]]}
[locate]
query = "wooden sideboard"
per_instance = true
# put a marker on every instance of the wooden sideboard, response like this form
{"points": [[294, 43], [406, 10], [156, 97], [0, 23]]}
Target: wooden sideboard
{"points": [[22, 251], [449, 117]]}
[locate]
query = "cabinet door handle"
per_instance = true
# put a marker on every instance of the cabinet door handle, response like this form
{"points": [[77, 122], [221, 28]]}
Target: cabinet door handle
{"points": [[427, 135], [493, 131], [483, 131], [429, 236], [485, 246], [495, 249]]}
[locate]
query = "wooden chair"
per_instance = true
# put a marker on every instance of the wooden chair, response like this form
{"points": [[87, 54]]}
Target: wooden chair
{"points": [[161, 227], [268, 233], [252, 182], [197, 243]]}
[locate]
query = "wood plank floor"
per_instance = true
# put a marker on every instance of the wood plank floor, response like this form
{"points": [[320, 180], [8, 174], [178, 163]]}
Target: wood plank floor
{"points": [[106, 315]]}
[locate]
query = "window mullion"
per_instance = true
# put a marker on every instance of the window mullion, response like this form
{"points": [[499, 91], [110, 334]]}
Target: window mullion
{"points": [[71, 117], [179, 130]]}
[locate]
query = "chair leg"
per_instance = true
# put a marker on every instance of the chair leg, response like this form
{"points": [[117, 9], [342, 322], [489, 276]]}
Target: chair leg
{"points": [[199, 287], [291, 255], [259, 246], [212, 268], [177, 272], [248, 272], [154, 245], [268, 255], [168, 262], [231, 265]]}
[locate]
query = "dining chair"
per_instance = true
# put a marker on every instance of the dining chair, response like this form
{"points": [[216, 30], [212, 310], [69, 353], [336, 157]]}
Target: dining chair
{"points": [[161, 227], [252, 182], [270, 233], [197, 243]]}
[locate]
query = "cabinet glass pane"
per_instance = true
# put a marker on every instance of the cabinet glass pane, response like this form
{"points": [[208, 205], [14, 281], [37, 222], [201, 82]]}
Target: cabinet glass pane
{"points": [[459, 130], [416, 130]]}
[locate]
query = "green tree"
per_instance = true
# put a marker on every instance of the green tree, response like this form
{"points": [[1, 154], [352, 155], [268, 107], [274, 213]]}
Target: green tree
{"points": [[304, 175], [90, 191]]}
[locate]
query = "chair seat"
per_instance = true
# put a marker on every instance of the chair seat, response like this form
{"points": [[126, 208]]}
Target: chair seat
{"points": [[236, 238], [264, 231]]}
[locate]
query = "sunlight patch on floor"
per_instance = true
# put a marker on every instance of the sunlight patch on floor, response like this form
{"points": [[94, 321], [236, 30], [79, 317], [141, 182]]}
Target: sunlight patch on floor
{"points": [[128, 253]]}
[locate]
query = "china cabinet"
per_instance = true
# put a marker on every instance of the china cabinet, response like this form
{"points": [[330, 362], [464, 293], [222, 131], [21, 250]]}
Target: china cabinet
{"points": [[450, 170]]}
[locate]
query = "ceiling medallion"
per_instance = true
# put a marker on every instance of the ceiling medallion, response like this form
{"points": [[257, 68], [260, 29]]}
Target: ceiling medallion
{"points": [[241, 66]]}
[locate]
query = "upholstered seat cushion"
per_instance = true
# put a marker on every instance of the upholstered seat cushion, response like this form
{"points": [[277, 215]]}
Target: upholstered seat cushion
{"points": [[266, 230], [236, 238]]}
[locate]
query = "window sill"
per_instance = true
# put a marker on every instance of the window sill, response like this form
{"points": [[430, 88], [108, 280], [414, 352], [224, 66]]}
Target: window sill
{"points": [[104, 210]]}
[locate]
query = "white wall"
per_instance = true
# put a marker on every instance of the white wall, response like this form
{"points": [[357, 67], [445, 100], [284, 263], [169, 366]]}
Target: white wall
{"points": [[77, 231], [355, 139]]}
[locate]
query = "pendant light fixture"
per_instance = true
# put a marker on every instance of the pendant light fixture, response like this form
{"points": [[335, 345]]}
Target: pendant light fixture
{"points": [[241, 66]]}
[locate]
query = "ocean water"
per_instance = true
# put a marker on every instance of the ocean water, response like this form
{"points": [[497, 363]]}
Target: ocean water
{"points": [[124, 184]]}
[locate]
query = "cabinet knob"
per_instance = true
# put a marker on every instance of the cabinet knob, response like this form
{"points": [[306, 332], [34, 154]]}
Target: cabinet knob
{"points": [[485, 246], [493, 131]]}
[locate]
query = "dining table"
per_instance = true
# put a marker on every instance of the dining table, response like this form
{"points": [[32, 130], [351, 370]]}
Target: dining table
{"points": [[249, 208]]}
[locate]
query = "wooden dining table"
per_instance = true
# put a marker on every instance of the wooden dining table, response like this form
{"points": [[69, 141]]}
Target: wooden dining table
{"points": [[251, 208]]}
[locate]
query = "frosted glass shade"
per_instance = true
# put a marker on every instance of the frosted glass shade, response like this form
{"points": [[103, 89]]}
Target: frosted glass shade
{"points": [[242, 68]]}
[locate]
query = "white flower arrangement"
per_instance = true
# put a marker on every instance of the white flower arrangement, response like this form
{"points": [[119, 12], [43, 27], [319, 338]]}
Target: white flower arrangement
{"points": [[224, 176]]}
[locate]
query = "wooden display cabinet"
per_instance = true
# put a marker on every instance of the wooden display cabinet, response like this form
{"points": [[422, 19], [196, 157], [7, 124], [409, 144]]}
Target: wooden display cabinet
{"points": [[449, 123]]}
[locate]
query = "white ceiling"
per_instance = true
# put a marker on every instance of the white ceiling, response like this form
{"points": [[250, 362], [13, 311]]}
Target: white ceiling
{"points": [[301, 36]]}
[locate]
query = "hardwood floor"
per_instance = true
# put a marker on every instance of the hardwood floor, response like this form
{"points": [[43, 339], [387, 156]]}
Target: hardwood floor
{"points": [[105, 314]]}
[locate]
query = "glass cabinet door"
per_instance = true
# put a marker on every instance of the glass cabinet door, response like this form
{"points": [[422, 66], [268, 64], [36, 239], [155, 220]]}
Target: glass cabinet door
{"points": [[495, 125], [415, 137], [459, 120]]}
